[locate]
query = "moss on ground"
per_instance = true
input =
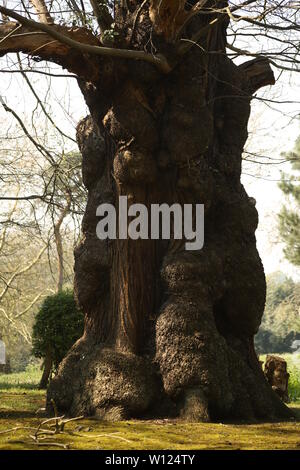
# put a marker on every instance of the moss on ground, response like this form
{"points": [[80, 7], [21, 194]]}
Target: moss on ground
{"points": [[18, 409]]}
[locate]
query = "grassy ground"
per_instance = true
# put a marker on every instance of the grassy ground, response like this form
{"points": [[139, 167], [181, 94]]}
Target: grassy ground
{"points": [[20, 399]]}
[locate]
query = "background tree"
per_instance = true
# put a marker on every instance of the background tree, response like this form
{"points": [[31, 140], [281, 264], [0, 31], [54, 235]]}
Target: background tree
{"points": [[58, 324], [42, 199], [168, 123], [28, 251], [281, 321], [289, 217]]}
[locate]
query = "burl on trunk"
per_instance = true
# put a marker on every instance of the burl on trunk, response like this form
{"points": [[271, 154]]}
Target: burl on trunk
{"points": [[169, 332]]}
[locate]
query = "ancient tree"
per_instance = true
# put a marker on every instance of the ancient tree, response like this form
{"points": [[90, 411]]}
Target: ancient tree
{"points": [[168, 332]]}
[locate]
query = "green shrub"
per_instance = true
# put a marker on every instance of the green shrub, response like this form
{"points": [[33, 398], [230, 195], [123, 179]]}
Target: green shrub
{"points": [[57, 326]]}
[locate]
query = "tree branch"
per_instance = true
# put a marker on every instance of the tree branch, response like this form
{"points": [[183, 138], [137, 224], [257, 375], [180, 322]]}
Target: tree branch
{"points": [[40, 102], [136, 18], [102, 14], [58, 240], [259, 73], [17, 38], [22, 271], [221, 15], [42, 11], [63, 36]]}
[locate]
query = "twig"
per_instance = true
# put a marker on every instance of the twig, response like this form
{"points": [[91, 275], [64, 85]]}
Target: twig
{"points": [[11, 33], [102, 435], [55, 444], [17, 428]]}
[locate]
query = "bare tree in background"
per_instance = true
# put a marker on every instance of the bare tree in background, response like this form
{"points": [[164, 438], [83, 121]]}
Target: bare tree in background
{"points": [[46, 188]]}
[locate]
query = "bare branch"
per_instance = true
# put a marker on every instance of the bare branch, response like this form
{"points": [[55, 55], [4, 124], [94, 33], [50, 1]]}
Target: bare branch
{"points": [[42, 11], [62, 35], [40, 102], [40, 44], [22, 271]]}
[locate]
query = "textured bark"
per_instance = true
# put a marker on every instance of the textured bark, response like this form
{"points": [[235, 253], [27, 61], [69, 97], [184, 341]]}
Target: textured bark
{"points": [[168, 332], [42, 11], [277, 376]]}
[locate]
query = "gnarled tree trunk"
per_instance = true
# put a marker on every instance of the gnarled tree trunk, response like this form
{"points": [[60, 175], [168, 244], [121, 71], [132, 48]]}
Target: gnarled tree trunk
{"points": [[168, 332]]}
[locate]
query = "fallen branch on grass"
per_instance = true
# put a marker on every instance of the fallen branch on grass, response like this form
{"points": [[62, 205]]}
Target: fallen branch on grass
{"points": [[92, 436], [41, 432]]}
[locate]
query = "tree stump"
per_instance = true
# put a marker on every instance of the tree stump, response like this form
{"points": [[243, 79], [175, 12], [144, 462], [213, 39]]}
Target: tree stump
{"points": [[277, 376]]}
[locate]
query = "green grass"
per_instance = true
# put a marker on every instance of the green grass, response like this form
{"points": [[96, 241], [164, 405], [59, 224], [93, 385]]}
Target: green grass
{"points": [[130, 435], [21, 381], [20, 399]]}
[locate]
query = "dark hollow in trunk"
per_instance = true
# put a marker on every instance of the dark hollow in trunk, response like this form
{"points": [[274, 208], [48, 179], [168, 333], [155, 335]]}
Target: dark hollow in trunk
{"points": [[169, 332]]}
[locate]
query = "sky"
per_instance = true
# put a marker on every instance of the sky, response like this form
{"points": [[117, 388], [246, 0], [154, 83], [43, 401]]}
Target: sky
{"points": [[273, 129]]}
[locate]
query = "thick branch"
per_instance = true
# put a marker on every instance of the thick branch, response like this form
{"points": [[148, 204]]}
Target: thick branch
{"points": [[59, 33], [102, 14], [17, 38], [170, 16], [259, 73], [221, 15], [42, 11]]}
